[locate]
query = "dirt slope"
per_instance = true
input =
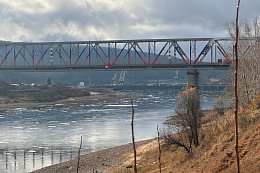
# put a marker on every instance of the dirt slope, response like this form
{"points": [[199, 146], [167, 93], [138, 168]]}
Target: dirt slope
{"points": [[215, 154]]}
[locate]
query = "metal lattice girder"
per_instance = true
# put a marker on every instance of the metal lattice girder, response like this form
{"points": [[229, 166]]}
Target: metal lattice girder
{"points": [[204, 51], [181, 53], [223, 52], [111, 54]]}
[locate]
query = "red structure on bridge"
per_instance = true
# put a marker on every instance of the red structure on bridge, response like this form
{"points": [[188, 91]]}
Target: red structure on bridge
{"points": [[194, 53]]}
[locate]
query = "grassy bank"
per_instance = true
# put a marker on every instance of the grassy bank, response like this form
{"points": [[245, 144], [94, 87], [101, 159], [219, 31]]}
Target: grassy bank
{"points": [[216, 150]]}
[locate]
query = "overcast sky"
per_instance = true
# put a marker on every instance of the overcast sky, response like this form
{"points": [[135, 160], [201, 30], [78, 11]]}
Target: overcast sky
{"points": [[69, 20]]}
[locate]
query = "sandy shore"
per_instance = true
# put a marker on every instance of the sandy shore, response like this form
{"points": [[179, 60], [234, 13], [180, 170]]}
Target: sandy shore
{"points": [[97, 162]]}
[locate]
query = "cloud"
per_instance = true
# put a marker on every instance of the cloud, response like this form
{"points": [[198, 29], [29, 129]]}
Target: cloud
{"points": [[67, 20], [28, 6]]}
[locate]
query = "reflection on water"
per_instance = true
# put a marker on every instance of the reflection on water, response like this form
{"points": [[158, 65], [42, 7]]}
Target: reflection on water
{"points": [[27, 160], [32, 139]]}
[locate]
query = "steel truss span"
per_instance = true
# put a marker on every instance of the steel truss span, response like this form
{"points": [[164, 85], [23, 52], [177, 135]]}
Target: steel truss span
{"points": [[147, 54]]}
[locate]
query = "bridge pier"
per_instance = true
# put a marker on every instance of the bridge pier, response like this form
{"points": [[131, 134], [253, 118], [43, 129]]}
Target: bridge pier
{"points": [[193, 78], [193, 81]]}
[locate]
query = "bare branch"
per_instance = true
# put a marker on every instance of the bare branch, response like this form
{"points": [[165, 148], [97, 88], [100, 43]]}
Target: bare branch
{"points": [[80, 146], [236, 91], [133, 138], [159, 148]]}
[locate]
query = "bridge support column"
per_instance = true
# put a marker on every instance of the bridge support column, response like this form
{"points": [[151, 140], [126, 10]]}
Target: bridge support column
{"points": [[193, 78], [193, 81]]}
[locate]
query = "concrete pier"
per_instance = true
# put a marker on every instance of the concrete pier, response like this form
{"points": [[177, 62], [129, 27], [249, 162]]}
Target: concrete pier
{"points": [[193, 78], [193, 81]]}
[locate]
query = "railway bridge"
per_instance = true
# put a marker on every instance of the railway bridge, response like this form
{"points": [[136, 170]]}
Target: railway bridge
{"points": [[191, 54]]}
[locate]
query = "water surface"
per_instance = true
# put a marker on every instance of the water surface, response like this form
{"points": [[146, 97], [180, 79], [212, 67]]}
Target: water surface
{"points": [[32, 139]]}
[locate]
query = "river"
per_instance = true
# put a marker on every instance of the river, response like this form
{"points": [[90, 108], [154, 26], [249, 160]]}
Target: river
{"points": [[32, 139]]}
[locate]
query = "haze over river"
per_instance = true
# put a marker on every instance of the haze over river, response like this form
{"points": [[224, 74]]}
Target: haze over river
{"points": [[32, 139]]}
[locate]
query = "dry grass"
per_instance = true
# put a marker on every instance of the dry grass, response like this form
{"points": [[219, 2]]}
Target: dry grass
{"points": [[216, 152]]}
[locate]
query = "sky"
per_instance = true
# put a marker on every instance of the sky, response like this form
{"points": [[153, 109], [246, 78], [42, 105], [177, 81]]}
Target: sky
{"points": [[87, 20]]}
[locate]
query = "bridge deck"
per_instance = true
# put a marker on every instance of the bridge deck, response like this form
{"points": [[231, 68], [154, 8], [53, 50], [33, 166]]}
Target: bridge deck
{"points": [[116, 68]]}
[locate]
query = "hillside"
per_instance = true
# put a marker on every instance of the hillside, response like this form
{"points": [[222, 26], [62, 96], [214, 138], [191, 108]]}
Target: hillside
{"points": [[216, 152]]}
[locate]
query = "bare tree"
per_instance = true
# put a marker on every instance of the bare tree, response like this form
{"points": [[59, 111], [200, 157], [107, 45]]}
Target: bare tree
{"points": [[80, 147], [159, 148], [236, 89], [219, 106], [179, 139], [187, 122], [249, 62], [133, 138]]}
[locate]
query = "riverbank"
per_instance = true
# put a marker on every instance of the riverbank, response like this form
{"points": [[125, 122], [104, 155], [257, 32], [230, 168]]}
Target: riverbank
{"points": [[53, 96], [100, 161], [96, 96], [115, 159], [214, 154]]}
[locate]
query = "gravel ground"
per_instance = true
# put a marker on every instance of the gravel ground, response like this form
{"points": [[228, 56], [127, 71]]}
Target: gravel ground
{"points": [[97, 162]]}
